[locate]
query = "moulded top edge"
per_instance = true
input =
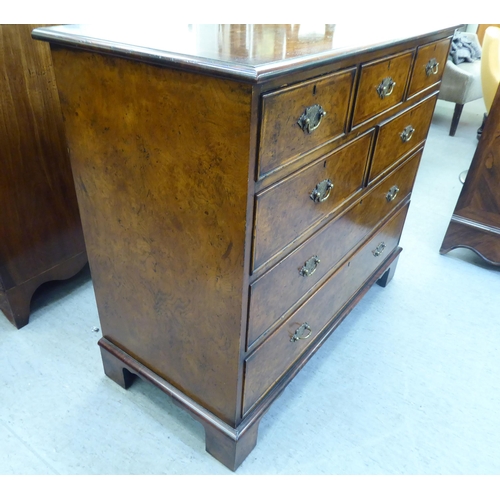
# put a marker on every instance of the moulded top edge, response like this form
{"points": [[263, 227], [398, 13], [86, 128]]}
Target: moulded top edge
{"points": [[249, 52]]}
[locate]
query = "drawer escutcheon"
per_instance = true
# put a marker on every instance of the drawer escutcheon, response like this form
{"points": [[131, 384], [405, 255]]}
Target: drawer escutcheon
{"points": [[432, 67], [407, 133], [310, 266], [322, 191], [311, 118], [386, 87], [392, 193], [299, 333], [380, 248]]}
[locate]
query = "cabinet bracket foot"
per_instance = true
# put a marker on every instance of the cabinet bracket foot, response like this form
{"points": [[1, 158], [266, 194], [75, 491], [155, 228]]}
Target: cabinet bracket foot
{"points": [[229, 445]]}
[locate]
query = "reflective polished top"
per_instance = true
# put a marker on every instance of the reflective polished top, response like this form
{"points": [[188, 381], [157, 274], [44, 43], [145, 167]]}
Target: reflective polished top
{"points": [[254, 52]]}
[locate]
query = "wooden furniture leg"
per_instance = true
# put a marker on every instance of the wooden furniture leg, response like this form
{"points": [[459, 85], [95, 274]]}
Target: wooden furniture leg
{"points": [[15, 302], [227, 444], [231, 448], [117, 370], [386, 278], [456, 118], [463, 233]]}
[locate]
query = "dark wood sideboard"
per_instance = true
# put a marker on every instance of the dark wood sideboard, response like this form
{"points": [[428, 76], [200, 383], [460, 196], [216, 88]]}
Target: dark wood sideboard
{"points": [[41, 236], [241, 187], [475, 223]]}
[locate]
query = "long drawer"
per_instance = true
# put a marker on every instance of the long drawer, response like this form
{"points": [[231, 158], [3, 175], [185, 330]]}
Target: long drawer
{"points": [[273, 294], [269, 362], [285, 210]]}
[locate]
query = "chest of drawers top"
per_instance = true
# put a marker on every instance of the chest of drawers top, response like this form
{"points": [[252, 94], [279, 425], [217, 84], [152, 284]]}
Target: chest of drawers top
{"points": [[246, 52]]}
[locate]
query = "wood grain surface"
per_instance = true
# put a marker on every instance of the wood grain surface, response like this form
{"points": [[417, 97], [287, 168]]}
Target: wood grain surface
{"points": [[40, 220], [160, 160], [277, 291], [267, 364], [190, 243], [475, 223], [421, 78], [282, 139], [390, 147], [286, 210], [368, 103]]}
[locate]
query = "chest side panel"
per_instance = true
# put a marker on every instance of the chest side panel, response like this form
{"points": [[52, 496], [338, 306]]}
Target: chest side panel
{"points": [[160, 160]]}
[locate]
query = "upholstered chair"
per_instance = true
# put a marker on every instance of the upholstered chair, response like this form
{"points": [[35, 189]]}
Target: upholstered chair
{"points": [[461, 84]]}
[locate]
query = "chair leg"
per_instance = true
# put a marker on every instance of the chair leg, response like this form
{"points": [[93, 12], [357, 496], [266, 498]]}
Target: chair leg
{"points": [[480, 129], [456, 118]]}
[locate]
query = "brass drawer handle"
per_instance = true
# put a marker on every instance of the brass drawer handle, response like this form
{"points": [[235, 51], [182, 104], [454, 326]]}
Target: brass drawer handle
{"points": [[407, 133], [309, 266], [299, 333], [392, 193], [378, 251], [432, 67], [311, 118], [322, 191], [386, 87]]}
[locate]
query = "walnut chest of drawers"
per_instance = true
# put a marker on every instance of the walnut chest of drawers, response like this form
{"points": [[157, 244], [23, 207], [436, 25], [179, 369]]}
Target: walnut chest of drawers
{"points": [[241, 187]]}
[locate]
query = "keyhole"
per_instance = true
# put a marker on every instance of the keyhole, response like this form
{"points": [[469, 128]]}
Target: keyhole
{"points": [[314, 90]]}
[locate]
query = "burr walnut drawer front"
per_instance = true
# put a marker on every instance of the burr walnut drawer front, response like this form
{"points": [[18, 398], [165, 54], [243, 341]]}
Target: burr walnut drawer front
{"points": [[429, 66], [286, 209], [278, 290], [265, 366], [382, 85], [299, 118], [399, 135]]}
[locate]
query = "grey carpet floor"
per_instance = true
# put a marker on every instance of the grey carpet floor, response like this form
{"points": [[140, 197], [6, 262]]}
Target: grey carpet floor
{"points": [[409, 384]]}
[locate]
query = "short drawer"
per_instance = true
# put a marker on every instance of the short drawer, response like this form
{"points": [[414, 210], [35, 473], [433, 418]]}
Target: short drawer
{"points": [[278, 290], [285, 210], [400, 135], [382, 85], [297, 119], [271, 360], [429, 66]]}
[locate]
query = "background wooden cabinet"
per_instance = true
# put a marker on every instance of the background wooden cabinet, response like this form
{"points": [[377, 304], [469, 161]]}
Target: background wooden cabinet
{"points": [[475, 223], [40, 234]]}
